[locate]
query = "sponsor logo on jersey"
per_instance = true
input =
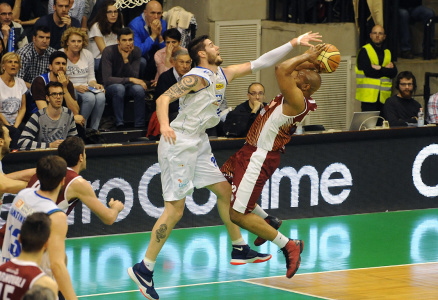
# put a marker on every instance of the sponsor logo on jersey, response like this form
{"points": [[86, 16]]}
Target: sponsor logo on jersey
{"points": [[220, 86]]}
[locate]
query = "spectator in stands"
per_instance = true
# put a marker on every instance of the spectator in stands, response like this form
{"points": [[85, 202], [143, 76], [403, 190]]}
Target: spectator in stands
{"points": [[374, 72], [163, 57], [24, 10], [35, 56], [77, 10], [401, 109], [119, 69], [432, 109], [239, 121], [182, 64], [413, 10], [57, 67], [33, 238], [148, 29], [7, 24], [12, 96], [80, 71], [48, 127], [58, 22], [103, 30]]}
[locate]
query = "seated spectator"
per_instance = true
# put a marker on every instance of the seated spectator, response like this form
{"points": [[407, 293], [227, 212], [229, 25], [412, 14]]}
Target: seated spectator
{"points": [[27, 12], [48, 127], [103, 30], [412, 10], [35, 56], [163, 57], [12, 96], [58, 22], [432, 109], [401, 109], [119, 69], [239, 121], [182, 64], [20, 39], [80, 71], [77, 10], [57, 67], [148, 36]]}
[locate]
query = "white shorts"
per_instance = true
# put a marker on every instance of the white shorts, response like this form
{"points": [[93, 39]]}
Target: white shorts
{"points": [[186, 165]]}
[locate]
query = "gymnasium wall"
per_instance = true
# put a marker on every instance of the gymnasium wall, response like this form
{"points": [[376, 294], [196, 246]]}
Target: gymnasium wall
{"points": [[319, 175]]}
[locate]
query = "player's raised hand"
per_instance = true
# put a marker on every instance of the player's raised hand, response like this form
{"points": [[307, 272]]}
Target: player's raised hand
{"points": [[306, 38], [314, 51]]}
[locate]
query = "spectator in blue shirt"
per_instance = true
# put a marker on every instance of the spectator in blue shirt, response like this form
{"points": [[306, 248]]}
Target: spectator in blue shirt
{"points": [[148, 36]]}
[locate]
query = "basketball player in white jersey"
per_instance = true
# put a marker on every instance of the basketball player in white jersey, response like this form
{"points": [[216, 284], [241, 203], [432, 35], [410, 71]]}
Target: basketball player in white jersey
{"points": [[51, 171], [184, 151], [250, 168], [22, 273]]}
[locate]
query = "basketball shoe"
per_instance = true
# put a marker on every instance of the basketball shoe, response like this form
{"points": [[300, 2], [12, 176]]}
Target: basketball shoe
{"points": [[274, 222], [292, 252], [242, 254], [143, 278]]}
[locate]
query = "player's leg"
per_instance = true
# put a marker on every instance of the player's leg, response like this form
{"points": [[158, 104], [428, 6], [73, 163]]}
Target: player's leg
{"points": [[241, 253], [271, 220]]}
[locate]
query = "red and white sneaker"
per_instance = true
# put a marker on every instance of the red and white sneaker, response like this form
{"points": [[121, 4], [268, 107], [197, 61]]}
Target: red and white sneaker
{"points": [[292, 252]]}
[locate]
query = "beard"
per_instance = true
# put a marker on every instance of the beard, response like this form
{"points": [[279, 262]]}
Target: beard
{"points": [[407, 94], [5, 150], [214, 60]]}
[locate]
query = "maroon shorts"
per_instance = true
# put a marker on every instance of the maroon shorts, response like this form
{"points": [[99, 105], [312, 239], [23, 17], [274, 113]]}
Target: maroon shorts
{"points": [[247, 171]]}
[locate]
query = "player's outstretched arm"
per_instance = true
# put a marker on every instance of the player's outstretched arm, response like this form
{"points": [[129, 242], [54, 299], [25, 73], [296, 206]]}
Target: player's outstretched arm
{"points": [[270, 58], [57, 256], [23, 175], [8, 185], [191, 83], [81, 189]]}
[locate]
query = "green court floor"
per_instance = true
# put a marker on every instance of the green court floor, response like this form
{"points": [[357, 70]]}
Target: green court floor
{"points": [[194, 263]]}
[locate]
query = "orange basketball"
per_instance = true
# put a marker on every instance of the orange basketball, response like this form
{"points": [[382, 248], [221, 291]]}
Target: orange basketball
{"points": [[329, 59]]}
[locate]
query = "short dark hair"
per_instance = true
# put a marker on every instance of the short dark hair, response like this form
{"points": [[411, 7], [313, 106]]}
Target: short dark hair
{"points": [[406, 75], [39, 292], [172, 33], [70, 149], [44, 29], [254, 83], [35, 232], [50, 171], [195, 46], [52, 84], [55, 55], [124, 31]]}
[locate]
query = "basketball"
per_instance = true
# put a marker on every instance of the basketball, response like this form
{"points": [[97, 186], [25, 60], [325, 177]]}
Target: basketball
{"points": [[329, 59]]}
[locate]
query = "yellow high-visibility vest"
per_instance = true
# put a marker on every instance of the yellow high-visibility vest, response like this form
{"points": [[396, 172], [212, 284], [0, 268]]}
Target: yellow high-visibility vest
{"points": [[368, 89]]}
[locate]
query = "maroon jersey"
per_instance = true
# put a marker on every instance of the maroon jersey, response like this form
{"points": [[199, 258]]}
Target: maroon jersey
{"points": [[17, 277], [272, 129], [62, 202]]}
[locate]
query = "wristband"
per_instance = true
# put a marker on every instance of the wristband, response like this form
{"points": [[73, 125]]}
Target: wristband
{"points": [[300, 37]]}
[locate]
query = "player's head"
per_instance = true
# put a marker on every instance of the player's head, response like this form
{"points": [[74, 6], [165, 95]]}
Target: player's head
{"points": [[35, 232], [51, 171], [5, 140], [39, 292], [377, 35], [256, 92], [307, 80], [72, 149], [204, 48], [406, 84]]}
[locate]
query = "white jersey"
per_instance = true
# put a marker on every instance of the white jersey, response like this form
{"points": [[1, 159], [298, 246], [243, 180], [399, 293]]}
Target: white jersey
{"points": [[199, 111], [25, 203], [1, 194]]}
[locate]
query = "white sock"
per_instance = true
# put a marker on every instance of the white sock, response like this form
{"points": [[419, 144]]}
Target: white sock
{"points": [[260, 212], [280, 240], [239, 242], [149, 264]]}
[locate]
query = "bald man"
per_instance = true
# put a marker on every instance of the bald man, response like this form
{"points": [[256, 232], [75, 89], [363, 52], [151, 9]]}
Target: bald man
{"points": [[374, 72]]}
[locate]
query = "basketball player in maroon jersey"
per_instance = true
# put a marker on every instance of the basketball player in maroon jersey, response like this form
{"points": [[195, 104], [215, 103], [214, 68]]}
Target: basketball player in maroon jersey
{"points": [[254, 164], [20, 274]]}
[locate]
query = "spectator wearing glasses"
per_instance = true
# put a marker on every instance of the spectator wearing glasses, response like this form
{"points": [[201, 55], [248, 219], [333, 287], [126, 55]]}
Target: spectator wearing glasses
{"points": [[401, 109], [7, 24], [239, 121], [48, 127], [103, 30]]}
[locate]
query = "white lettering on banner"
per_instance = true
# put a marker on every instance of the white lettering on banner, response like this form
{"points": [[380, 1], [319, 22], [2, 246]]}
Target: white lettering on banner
{"points": [[315, 185], [425, 190], [145, 203]]}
